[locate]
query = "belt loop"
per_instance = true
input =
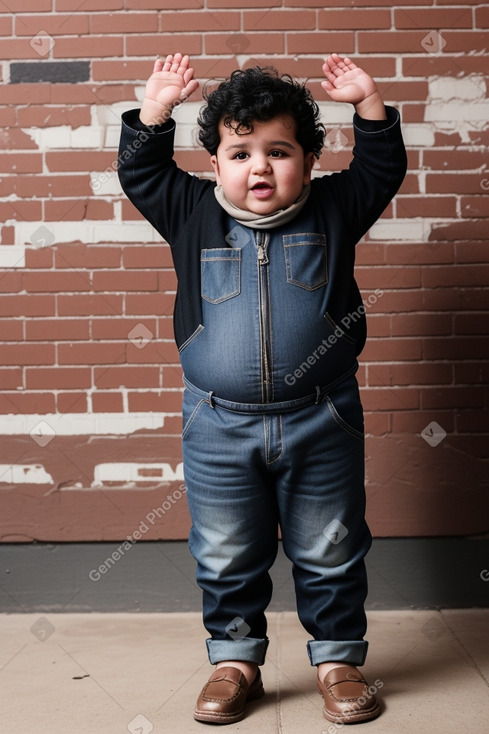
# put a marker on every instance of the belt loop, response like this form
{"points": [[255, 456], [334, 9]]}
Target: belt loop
{"points": [[318, 395], [211, 401]]}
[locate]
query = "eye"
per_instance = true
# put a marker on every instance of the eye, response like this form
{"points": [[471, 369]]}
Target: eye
{"points": [[277, 154], [241, 156]]}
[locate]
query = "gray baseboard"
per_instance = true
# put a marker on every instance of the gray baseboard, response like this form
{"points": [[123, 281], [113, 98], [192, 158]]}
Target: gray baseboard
{"points": [[404, 573]]}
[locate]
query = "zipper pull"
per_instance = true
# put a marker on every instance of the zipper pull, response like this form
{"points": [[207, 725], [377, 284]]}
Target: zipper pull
{"points": [[262, 257]]}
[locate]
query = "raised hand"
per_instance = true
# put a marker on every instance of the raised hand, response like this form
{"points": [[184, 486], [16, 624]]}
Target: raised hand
{"points": [[347, 82], [172, 81]]}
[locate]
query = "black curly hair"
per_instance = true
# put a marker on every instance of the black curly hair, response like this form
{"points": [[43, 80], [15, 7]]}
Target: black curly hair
{"points": [[260, 94]]}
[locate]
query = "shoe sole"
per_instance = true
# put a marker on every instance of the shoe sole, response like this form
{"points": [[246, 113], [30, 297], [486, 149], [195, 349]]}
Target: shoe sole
{"points": [[353, 718], [217, 718]]}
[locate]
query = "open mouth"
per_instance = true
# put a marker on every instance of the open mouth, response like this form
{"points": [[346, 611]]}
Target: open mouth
{"points": [[262, 189]]}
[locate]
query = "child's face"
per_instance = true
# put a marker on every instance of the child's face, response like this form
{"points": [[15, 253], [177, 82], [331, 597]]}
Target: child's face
{"points": [[265, 170]]}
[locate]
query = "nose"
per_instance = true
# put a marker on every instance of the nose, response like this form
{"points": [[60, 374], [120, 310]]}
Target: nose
{"points": [[260, 164]]}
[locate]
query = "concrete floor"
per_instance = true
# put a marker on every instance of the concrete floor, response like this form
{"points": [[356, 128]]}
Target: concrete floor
{"points": [[141, 673]]}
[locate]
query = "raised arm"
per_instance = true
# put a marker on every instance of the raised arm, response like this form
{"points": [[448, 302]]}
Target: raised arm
{"points": [[347, 82], [172, 81]]}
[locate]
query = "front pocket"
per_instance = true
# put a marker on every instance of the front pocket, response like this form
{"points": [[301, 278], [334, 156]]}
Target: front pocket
{"points": [[306, 260], [220, 274], [346, 408]]}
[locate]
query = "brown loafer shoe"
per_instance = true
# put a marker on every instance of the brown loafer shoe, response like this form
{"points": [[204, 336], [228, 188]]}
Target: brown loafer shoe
{"points": [[347, 696], [224, 696]]}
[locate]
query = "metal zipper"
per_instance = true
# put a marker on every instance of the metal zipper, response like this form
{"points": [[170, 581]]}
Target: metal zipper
{"points": [[265, 346]]}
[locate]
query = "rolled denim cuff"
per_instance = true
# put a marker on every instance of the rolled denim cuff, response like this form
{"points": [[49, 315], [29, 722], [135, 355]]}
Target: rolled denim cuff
{"points": [[350, 652], [251, 650]]}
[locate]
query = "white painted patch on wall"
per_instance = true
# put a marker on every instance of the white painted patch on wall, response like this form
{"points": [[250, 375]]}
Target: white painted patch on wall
{"points": [[133, 473], [457, 105], [44, 428], [24, 474]]}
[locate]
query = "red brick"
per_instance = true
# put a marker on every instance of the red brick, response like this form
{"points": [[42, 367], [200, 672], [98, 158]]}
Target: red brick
{"points": [[474, 323], [468, 42], [12, 330], [482, 17], [119, 328], [321, 42], [162, 44], [58, 378], [36, 259], [222, 43], [38, 6], [433, 18], [78, 210], [443, 65], [452, 397], [55, 25], [23, 211], [8, 117], [471, 372], [165, 328], [279, 20], [45, 186], [76, 6], [172, 376], [243, 4], [456, 160], [5, 26], [129, 212], [106, 304], [88, 47], [415, 422], [399, 42], [389, 277], [417, 324], [15, 139], [413, 373], [164, 4], [471, 421], [43, 282], [476, 206], [26, 403], [57, 330], [91, 353], [456, 348], [13, 48], [107, 402], [392, 350], [171, 22], [28, 305], [352, 3], [115, 377], [147, 256], [37, 116], [81, 256], [341, 20], [393, 398], [155, 352], [71, 402], [125, 281], [164, 402], [123, 22], [77, 160], [20, 354], [151, 304], [10, 379], [463, 183], [427, 206], [11, 281], [377, 423], [25, 93], [476, 228], [471, 251], [21, 162]]}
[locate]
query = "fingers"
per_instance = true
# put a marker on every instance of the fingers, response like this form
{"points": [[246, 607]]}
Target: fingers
{"points": [[336, 65]]}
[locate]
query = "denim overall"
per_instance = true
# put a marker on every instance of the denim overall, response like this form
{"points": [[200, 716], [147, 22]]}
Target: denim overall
{"points": [[273, 435]]}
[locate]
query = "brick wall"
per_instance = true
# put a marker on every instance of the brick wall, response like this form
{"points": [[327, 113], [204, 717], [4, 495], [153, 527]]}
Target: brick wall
{"points": [[89, 373]]}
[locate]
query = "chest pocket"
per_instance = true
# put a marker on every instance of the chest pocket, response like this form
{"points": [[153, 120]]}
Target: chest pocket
{"points": [[306, 260], [220, 274]]}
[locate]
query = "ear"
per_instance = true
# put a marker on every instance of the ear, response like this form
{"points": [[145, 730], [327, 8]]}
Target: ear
{"points": [[215, 166], [308, 164]]}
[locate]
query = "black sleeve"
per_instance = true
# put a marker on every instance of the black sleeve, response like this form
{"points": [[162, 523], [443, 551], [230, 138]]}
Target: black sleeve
{"points": [[375, 174], [164, 194]]}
